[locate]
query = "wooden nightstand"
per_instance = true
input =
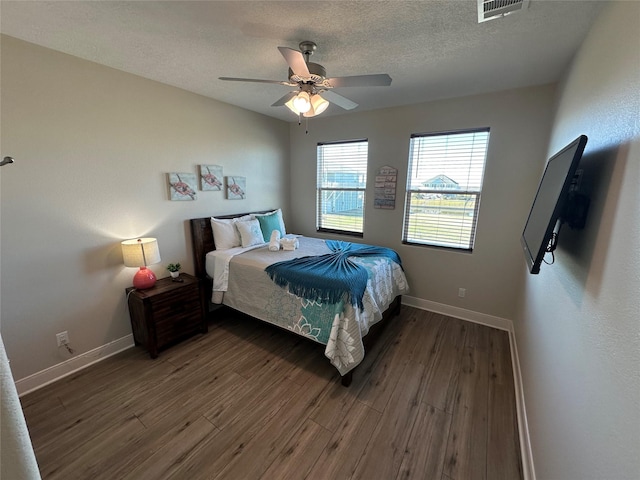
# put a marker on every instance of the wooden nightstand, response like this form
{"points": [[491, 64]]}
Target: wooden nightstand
{"points": [[166, 313]]}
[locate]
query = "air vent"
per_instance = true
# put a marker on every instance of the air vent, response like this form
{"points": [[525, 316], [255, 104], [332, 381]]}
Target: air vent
{"points": [[492, 9]]}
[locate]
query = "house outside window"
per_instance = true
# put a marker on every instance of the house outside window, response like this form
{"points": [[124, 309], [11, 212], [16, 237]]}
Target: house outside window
{"points": [[341, 184], [444, 186]]}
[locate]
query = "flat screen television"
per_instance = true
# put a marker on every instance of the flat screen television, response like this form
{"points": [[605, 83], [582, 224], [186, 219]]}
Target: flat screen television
{"points": [[551, 203]]}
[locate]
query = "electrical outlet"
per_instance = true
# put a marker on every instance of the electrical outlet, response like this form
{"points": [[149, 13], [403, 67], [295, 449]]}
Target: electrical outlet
{"points": [[462, 292], [63, 338]]}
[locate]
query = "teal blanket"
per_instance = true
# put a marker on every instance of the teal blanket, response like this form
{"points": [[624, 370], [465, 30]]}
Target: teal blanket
{"points": [[329, 278]]}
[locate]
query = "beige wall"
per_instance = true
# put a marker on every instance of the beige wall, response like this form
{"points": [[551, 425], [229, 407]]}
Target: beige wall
{"points": [[92, 147], [578, 324], [519, 120]]}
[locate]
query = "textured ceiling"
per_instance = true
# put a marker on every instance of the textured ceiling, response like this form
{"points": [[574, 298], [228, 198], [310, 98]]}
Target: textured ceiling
{"points": [[431, 49]]}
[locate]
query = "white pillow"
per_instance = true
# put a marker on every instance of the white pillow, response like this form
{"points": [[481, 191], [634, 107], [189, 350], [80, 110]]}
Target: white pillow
{"points": [[250, 233], [225, 233]]}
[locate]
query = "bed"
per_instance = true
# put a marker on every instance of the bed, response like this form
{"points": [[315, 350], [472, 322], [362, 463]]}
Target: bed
{"points": [[246, 287]]}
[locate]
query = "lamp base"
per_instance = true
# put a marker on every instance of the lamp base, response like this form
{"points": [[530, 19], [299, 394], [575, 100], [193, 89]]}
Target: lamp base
{"points": [[144, 278]]}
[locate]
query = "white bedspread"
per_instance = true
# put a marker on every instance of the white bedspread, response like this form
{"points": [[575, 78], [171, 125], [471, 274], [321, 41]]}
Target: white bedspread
{"points": [[217, 265], [217, 262]]}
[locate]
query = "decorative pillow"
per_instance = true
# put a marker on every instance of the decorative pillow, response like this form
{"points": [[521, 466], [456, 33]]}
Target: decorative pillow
{"points": [[225, 233], [250, 233], [244, 218], [269, 222]]}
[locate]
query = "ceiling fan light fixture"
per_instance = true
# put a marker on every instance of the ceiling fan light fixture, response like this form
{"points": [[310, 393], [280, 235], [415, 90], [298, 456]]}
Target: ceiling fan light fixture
{"points": [[299, 103], [291, 106], [302, 102], [319, 104]]}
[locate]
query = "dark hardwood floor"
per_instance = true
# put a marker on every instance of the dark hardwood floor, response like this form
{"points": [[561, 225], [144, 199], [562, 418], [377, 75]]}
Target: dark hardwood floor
{"points": [[433, 399]]}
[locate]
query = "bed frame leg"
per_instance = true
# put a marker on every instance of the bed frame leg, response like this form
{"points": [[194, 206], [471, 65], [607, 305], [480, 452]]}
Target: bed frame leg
{"points": [[347, 378]]}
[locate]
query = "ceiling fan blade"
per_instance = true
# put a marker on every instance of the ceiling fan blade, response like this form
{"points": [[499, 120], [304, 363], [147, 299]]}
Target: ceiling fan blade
{"points": [[376, 80], [255, 80], [296, 62], [339, 100], [284, 99]]}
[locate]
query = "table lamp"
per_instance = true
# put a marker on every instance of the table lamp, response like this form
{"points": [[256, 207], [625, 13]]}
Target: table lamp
{"points": [[141, 252]]}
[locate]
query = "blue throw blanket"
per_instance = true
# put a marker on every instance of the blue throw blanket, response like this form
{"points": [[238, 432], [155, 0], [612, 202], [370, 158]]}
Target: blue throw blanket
{"points": [[326, 278]]}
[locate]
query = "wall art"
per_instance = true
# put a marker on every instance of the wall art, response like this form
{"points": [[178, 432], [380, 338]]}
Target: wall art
{"points": [[210, 177], [182, 186], [236, 188], [385, 188]]}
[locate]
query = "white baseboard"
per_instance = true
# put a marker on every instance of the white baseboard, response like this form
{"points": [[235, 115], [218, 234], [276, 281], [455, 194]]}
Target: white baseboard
{"points": [[528, 469], [63, 369], [502, 324], [457, 312]]}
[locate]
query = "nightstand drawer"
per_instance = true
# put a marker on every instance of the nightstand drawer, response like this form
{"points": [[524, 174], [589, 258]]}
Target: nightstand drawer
{"points": [[180, 314], [189, 292], [178, 306]]}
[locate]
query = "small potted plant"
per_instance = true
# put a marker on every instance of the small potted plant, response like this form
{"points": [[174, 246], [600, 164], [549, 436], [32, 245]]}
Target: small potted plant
{"points": [[174, 269]]}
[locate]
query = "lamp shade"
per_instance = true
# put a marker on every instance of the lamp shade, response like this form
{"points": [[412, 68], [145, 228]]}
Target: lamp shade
{"points": [[302, 102], [318, 105], [292, 107], [141, 252]]}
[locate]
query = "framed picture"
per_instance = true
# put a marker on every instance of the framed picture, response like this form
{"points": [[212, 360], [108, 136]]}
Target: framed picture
{"points": [[236, 188], [385, 188], [210, 177], [182, 186]]}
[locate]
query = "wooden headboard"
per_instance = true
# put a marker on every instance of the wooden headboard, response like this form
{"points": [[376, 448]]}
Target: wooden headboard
{"points": [[203, 242]]}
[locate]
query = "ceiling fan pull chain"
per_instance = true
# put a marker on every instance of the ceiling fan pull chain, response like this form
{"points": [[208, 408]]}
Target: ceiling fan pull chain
{"points": [[306, 126]]}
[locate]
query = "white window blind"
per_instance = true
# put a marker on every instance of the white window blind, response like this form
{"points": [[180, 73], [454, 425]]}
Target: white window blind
{"points": [[444, 184], [341, 184]]}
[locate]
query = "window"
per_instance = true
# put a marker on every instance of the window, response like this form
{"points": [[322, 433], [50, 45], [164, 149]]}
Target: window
{"points": [[444, 184], [342, 179]]}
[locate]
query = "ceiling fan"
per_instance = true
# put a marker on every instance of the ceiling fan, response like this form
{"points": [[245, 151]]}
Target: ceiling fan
{"points": [[313, 87]]}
